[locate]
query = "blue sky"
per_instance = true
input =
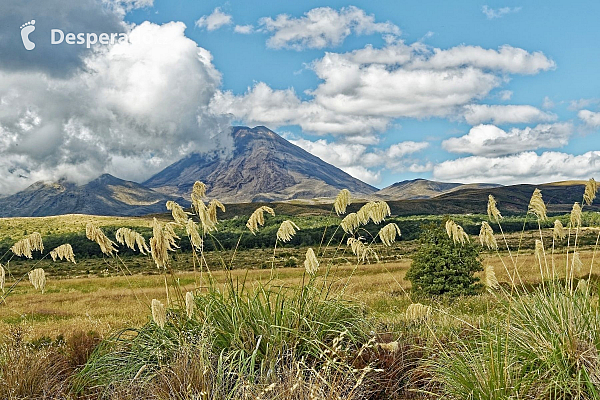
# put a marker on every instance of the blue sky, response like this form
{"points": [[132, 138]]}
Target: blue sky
{"points": [[471, 91]]}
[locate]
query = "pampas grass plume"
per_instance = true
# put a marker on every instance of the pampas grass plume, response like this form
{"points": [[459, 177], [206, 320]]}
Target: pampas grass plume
{"points": [[589, 195], [537, 206], [37, 277], [558, 232], [388, 234], [26, 246], [189, 304], [63, 252], [492, 209], [286, 231], [342, 201], [159, 313], [258, 218], [486, 236], [575, 218], [311, 264], [131, 239], [96, 235]]}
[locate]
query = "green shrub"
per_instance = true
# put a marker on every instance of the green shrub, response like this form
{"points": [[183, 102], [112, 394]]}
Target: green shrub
{"points": [[442, 267]]}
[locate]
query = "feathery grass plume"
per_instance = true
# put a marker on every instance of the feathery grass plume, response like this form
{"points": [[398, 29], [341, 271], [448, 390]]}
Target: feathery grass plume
{"points": [[577, 264], [364, 213], [189, 304], [388, 234], [198, 193], [456, 232], [361, 250], [63, 252], [582, 286], [537, 206], [591, 187], [191, 229], [379, 211], [342, 201], [212, 211], [131, 238], [576, 216], [37, 277], [311, 264], [2, 278], [208, 224], [159, 313], [95, 234], [558, 232], [258, 218], [418, 311], [350, 223], [489, 278], [162, 241], [492, 210], [177, 212], [486, 236], [539, 251], [286, 230], [26, 246]]}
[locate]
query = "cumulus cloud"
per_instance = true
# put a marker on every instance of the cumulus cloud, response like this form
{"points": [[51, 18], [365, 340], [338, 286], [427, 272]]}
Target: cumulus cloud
{"points": [[527, 167], [360, 161], [244, 29], [487, 140], [133, 109], [362, 91], [505, 95], [322, 27], [576, 105], [590, 118], [505, 114], [492, 13], [214, 20]]}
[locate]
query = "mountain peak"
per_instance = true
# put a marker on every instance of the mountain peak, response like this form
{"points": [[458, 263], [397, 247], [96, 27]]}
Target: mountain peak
{"points": [[263, 166]]}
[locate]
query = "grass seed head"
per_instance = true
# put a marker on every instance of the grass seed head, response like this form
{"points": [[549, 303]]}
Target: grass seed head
{"points": [[591, 187], [361, 250], [492, 209], [63, 252], [37, 277], [577, 264], [311, 264], [350, 223], [418, 311], [26, 246], [342, 201], [388, 234], [456, 232], [191, 229], [177, 212], [486, 236], [189, 304], [489, 278], [539, 251], [159, 313], [162, 241], [131, 239], [537, 206], [212, 211], [258, 218], [2, 277], [575, 219], [95, 234], [558, 232], [287, 230]]}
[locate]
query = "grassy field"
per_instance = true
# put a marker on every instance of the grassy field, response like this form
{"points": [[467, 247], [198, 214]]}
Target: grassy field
{"points": [[306, 319]]}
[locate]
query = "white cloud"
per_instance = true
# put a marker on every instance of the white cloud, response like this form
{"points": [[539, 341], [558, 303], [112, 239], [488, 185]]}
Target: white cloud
{"points": [[322, 27], [505, 114], [141, 104], [215, 20], [548, 103], [590, 118], [488, 140], [527, 167], [362, 91], [360, 162], [492, 13], [244, 29], [505, 95], [576, 105]]}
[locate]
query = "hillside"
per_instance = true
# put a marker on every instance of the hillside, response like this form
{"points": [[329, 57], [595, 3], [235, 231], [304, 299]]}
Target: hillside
{"points": [[105, 195], [424, 189]]}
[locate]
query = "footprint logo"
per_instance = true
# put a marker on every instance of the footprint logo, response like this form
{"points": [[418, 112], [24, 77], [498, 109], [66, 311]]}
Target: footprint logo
{"points": [[26, 29]]}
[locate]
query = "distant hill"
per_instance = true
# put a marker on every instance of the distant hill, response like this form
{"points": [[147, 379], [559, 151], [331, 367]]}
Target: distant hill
{"points": [[424, 189], [263, 167], [105, 195]]}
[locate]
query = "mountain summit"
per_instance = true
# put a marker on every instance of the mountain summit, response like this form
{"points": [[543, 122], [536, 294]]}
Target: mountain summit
{"points": [[263, 166]]}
